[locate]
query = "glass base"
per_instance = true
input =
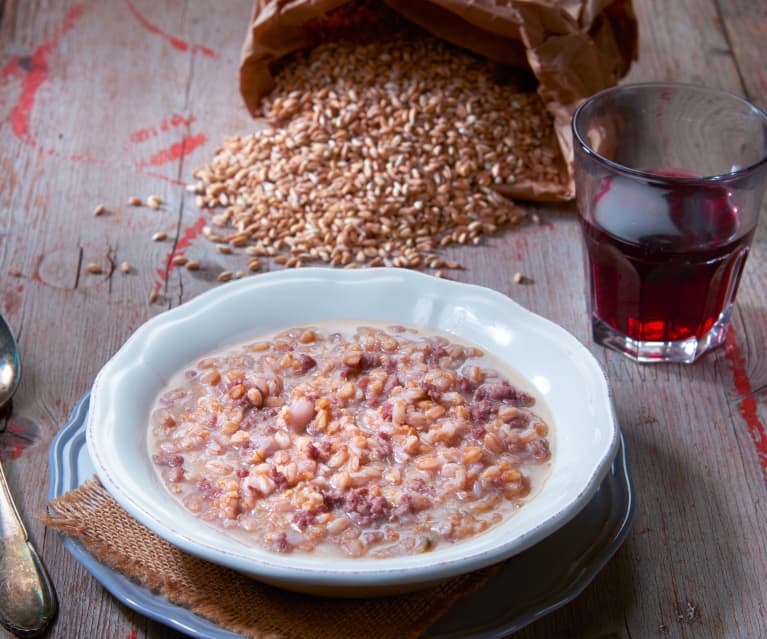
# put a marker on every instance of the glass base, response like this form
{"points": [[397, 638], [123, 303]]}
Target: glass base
{"points": [[681, 352]]}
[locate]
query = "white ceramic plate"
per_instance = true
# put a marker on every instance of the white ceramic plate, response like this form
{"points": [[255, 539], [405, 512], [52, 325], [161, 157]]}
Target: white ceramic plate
{"points": [[564, 373]]}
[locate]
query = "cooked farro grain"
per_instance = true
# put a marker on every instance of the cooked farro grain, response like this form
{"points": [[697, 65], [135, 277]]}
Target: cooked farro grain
{"points": [[378, 154], [350, 440]]}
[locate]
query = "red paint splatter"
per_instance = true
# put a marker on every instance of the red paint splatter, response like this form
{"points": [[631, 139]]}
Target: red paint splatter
{"points": [[160, 176], [133, 634], [142, 135], [176, 43], [184, 242], [85, 159], [20, 433], [747, 406], [762, 81], [34, 71], [521, 246], [13, 450], [191, 233], [176, 151]]}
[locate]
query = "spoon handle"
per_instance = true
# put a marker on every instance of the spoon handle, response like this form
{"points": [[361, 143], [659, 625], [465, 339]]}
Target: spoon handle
{"points": [[27, 598]]}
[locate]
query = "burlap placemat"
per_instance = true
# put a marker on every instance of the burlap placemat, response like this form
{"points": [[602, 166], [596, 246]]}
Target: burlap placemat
{"points": [[234, 602]]}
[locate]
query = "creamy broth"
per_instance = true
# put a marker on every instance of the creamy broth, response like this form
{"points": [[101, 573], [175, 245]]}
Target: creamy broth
{"points": [[351, 440]]}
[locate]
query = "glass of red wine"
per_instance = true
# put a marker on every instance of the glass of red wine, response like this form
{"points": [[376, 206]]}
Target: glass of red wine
{"points": [[669, 183]]}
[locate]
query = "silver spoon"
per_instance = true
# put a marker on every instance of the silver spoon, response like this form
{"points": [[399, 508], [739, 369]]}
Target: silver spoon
{"points": [[27, 598]]}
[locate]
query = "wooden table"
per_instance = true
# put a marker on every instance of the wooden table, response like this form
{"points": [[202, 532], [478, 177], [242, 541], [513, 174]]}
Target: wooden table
{"points": [[101, 101]]}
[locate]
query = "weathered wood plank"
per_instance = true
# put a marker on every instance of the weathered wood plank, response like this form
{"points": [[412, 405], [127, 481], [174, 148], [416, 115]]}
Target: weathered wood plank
{"points": [[745, 25], [683, 41], [76, 133], [103, 101], [700, 482]]}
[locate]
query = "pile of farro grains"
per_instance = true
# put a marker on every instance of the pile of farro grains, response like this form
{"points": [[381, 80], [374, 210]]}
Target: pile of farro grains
{"points": [[381, 149]]}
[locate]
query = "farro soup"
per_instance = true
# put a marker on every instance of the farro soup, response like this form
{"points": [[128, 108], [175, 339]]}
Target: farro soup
{"points": [[348, 441]]}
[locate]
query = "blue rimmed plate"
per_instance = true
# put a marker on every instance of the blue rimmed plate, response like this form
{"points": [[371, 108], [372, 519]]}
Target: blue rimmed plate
{"points": [[556, 569]]}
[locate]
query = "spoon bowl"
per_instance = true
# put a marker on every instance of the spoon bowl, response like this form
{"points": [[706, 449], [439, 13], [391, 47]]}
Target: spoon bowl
{"points": [[10, 364]]}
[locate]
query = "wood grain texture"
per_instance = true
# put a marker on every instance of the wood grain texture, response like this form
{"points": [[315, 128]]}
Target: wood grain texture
{"points": [[101, 101], [745, 26]]}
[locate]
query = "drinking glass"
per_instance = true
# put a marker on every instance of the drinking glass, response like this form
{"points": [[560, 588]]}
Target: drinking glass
{"points": [[669, 182]]}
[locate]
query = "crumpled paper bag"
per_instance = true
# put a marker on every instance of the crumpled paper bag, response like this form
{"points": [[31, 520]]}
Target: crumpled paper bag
{"points": [[573, 47]]}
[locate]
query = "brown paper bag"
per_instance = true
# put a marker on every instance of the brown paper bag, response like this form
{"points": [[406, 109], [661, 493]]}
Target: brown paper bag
{"points": [[572, 47]]}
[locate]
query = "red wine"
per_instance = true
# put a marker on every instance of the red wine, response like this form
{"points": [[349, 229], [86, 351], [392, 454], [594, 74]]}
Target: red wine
{"points": [[664, 264]]}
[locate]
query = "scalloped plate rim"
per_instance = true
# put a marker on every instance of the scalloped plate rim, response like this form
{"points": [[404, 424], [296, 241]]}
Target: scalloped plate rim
{"points": [[408, 572]]}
